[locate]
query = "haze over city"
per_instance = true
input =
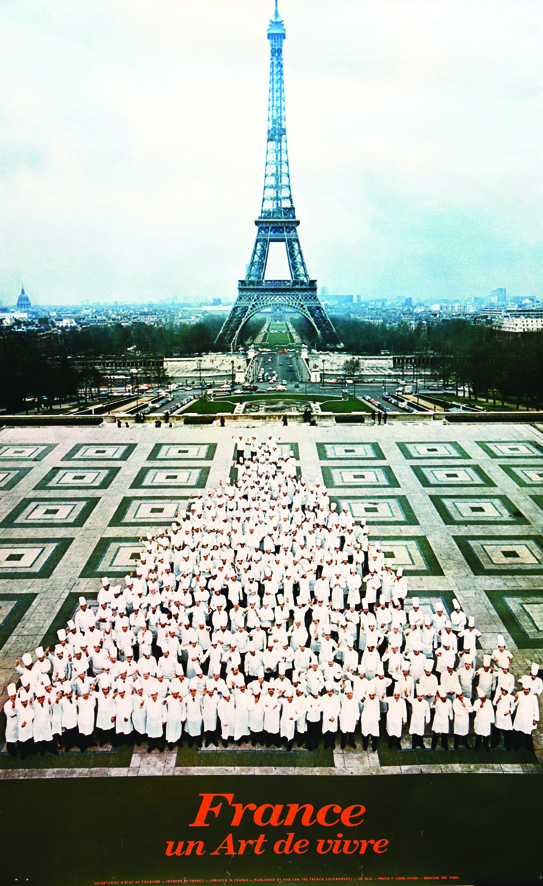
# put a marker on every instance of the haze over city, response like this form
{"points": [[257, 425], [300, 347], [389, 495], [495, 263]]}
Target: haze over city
{"points": [[135, 140]]}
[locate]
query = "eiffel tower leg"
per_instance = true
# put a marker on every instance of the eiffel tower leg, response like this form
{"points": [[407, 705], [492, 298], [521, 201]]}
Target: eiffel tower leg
{"points": [[322, 323], [231, 328]]}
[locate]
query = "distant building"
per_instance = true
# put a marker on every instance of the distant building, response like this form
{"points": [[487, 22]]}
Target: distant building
{"points": [[23, 302], [67, 323], [148, 368], [335, 300], [521, 322], [499, 296]]}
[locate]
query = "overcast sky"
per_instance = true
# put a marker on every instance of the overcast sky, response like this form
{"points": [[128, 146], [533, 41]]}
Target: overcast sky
{"points": [[133, 145]]}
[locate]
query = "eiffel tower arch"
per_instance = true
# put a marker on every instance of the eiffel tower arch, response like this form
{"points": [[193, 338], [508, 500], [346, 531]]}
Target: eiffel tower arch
{"points": [[277, 223]]}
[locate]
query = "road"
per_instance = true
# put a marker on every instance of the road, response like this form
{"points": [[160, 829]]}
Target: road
{"points": [[272, 368], [290, 369]]}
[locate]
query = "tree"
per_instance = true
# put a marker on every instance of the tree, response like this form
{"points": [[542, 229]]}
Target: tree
{"points": [[351, 366]]}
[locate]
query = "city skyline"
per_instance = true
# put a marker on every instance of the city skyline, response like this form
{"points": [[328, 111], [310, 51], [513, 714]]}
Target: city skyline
{"points": [[135, 146]]}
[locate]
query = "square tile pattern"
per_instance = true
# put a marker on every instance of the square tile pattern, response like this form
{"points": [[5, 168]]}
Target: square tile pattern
{"points": [[521, 611], [471, 476], [31, 558], [113, 556], [77, 478], [502, 555], [471, 510], [511, 448], [386, 510], [24, 451], [170, 478], [528, 611], [352, 451], [353, 477], [414, 553], [182, 452], [525, 475], [100, 452], [432, 450], [148, 511], [33, 513]]}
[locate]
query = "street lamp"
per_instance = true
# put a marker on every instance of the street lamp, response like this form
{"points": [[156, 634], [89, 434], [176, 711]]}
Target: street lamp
{"points": [[199, 364], [134, 372]]}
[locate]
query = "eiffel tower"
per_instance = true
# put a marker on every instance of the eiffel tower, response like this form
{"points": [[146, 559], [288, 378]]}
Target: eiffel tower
{"points": [[277, 223]]}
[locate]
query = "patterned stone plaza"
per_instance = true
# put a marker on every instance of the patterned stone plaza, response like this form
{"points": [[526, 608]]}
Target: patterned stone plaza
{"points": [[459, 507]]}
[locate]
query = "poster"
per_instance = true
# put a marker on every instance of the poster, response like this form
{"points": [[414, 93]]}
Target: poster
{"points": [[142, 148], [142, 830]]}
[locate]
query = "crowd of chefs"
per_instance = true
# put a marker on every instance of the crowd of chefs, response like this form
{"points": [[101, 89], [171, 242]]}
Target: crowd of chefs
{"points": [[266, 615]]}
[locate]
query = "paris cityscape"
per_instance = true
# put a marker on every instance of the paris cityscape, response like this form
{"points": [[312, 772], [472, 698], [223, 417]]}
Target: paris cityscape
{"points": [[271, 452], [457, 332]]}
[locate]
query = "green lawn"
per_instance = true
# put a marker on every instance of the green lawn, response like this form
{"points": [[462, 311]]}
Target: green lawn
{"points": [[353, 404], [278, 338], [328, 404], [278, 334], [210, 407]]}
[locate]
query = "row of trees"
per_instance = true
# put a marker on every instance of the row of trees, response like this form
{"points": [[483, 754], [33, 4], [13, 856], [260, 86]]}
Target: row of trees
{"points": [[27, 374], [370, 339], [169, 340], [362, 337], [491, 365], [37, 370], [487, 363]]}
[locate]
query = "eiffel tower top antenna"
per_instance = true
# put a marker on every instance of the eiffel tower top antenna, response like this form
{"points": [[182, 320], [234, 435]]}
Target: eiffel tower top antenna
{"points": [[277, 197]]}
